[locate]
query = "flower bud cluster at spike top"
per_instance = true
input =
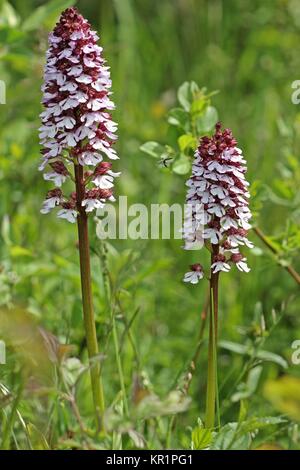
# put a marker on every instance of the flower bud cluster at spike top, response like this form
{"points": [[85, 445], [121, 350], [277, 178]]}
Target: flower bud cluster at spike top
{"points": [[218, 183], [76, 123]]}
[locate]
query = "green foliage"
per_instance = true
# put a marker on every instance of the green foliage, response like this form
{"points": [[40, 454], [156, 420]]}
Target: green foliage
{"points": [[45, 15], [192, 120], [201, 438], [233, 436], [239, 436]]}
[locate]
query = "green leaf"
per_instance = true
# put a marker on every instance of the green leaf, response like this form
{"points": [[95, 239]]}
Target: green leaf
{"points": [[260, 354], [228, 438], [182, 165], [271, 357], [179, 118], [234, 347], [254, 424], [8, 15], [247, 389], [19, 251], [46, 14], [186, 94], [237, 436], [186, 142], [154, 149], [207, 121], [9, 35], [199, 105], [201, 438]]}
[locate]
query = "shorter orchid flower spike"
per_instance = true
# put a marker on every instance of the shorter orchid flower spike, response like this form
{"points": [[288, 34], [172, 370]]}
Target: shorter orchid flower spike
{"points": [[219, 187]]}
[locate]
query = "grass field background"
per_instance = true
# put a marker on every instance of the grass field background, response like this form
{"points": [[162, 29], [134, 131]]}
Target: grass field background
{"points": [[249, 52]]}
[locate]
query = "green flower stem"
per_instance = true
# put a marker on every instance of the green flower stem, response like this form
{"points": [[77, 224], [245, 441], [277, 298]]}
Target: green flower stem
{"points": [[212, 385], [87, 300]]}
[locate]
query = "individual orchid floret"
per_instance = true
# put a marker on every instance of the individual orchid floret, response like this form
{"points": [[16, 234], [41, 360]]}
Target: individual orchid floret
{"points": [[53, 199], [96, 198], [77, 128], [219, 264], [68, 211], [103, 176], [218, 184], [195, 274], [58, 175], [240, 261]]}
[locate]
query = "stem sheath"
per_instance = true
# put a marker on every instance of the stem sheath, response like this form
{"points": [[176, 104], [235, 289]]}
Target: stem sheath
{"points": [[87, 299], [212, 383]]}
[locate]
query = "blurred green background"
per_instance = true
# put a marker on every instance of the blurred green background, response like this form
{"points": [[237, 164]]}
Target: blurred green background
{"points": [[249, 51]]}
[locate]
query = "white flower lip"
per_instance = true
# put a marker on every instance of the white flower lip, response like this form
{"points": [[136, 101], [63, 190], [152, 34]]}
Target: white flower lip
{"points": [[69, 214], [49, 204], [220, 266], [57, 178], [106, 181], [193, 277], [90, 158], [91, 204]]}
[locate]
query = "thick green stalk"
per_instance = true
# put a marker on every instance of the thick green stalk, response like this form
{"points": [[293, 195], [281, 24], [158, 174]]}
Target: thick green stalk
{"points": [[87, 299], [211, 394]]}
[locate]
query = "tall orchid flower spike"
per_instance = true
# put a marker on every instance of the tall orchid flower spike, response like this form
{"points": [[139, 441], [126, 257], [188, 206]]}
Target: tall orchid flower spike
{"points": [[77, 129], [77, 135], [218, 217]]}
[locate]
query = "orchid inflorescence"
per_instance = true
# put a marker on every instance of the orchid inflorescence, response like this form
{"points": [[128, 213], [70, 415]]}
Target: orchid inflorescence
{"points": [[219, 187], [77, 128]]}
